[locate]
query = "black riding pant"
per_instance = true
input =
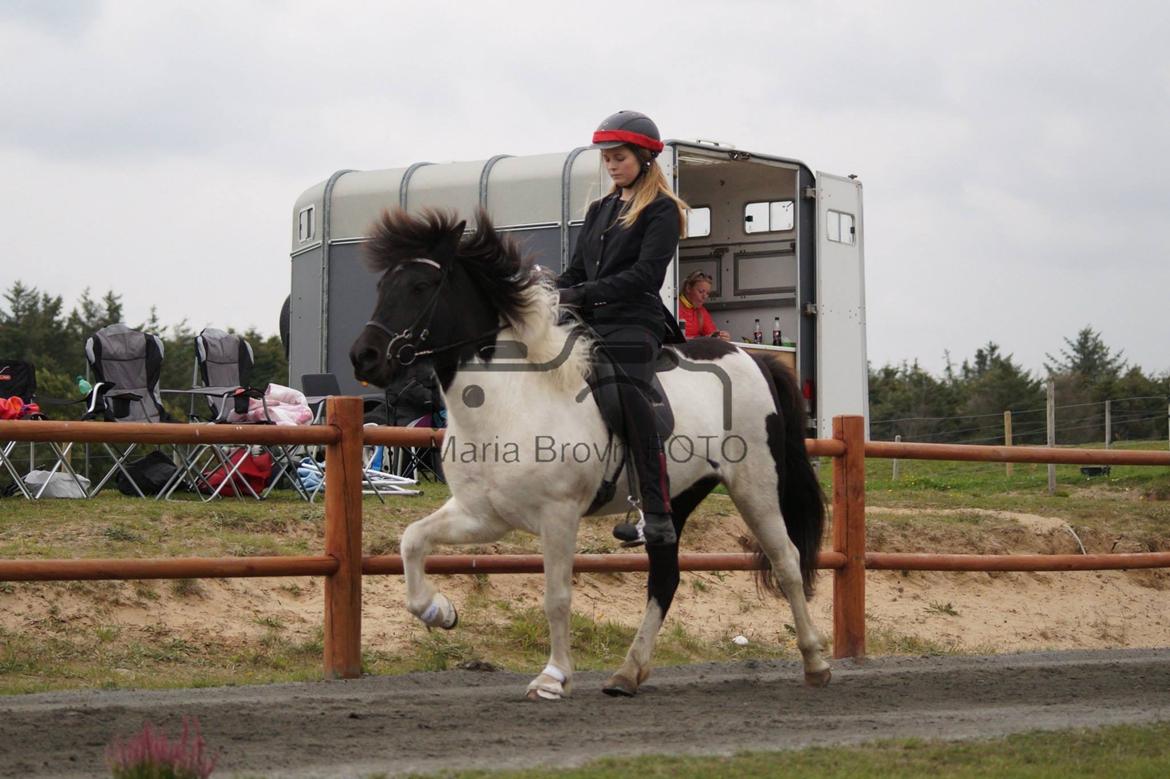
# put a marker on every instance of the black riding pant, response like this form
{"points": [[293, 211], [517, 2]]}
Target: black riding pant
{"points": [[634, 349]]}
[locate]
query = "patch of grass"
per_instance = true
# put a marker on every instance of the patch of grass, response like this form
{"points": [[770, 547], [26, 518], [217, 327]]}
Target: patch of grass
{"points": [[123, 534], [881, 640], [1132, 751], [187, 588], [937, 607]]}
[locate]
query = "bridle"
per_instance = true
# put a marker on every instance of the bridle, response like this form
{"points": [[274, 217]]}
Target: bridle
{"points": [[404, 348]]}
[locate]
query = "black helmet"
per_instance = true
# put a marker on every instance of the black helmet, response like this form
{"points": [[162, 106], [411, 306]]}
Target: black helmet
{"points": [[628, 128]]}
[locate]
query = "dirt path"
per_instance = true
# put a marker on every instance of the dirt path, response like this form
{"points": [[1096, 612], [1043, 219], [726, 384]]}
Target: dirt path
{"points": [[464, 719]]}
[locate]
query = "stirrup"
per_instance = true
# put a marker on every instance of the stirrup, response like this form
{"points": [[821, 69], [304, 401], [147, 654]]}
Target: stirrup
{"points": [[631, 534]]}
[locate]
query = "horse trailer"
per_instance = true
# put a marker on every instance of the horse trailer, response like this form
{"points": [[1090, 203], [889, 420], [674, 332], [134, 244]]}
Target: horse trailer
{"points": [[783, 244]]}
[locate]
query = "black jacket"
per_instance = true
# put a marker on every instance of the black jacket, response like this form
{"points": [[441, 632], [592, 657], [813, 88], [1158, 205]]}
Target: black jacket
{"points": [[620, 270]]}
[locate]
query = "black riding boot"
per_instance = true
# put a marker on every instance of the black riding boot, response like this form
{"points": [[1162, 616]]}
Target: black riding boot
{"points": [[655, 525]]}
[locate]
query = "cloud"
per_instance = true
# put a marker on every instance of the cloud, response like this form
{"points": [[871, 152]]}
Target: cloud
{"points": [[1012, 156]]}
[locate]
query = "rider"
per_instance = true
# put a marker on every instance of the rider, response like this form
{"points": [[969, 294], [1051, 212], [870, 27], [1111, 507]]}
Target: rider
{"points": [[622, 254]]}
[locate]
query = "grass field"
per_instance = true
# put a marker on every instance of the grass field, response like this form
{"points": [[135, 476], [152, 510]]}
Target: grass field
{"points": [[1141, 752]]}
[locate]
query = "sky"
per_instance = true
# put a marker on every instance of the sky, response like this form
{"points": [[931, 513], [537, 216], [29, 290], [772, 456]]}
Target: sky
{"points": [[1013, 155]]}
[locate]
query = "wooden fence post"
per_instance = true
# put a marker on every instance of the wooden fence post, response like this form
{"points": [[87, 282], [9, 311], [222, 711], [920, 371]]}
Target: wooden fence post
{"points": [[343, 540], [849, 538]]}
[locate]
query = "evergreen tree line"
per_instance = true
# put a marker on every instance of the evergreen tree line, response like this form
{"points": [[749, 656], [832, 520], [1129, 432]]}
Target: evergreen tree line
{"points": [[966, 405], [35, 327]]}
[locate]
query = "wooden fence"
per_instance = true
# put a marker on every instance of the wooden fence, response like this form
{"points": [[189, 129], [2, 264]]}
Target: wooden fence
{"points": [[343, 565]]}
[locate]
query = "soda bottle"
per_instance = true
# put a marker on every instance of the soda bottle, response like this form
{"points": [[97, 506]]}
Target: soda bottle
{"points": [[776, 331], [758, 334]]}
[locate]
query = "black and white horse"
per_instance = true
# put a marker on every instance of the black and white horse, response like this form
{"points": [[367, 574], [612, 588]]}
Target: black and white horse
{"points": [[527, 447]]}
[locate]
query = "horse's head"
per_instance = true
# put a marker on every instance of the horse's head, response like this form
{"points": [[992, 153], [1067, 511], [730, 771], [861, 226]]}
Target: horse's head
{"points": [[441, 296]]}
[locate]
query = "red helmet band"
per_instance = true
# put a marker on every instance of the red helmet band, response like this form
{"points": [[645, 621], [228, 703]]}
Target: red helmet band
{"points": [[645, 141]]}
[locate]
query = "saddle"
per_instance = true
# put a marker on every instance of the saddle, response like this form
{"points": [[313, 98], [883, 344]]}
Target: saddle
{"points": [[603, 382]]}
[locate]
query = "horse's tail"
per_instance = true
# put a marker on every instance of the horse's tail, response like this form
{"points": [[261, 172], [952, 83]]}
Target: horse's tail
{"points": [[802, 501]]}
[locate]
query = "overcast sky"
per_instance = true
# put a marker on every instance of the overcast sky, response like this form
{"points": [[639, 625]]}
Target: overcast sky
{"points": [[1014, 155]]}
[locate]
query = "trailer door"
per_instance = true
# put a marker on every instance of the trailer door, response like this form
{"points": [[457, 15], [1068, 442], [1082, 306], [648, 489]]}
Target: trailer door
{"points": [[842, 381]]}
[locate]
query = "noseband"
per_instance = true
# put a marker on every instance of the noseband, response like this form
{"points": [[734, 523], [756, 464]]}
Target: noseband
{"points": [[403, 347]]}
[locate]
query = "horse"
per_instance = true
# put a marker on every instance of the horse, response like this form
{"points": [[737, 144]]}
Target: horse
{"points": [[527, 448]]}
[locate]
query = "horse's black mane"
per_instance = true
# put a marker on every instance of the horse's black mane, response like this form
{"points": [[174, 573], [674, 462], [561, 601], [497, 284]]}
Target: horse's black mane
{"points": [[496, 264]]}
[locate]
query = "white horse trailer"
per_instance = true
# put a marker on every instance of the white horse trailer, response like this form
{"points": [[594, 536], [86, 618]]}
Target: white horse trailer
{"points": [[783, 244]]}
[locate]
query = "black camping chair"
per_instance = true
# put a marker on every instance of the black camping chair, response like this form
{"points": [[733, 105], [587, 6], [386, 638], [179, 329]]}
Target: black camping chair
{"points": [[127, 365], [18, 379], [415, 403], [222, 376]]}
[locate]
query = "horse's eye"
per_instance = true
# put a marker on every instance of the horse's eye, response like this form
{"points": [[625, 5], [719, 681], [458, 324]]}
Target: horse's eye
{"points": [[421, 287]]}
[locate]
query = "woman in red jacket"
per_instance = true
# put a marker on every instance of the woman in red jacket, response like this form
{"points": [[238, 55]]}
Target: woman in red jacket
{"points": [[692, 307]]}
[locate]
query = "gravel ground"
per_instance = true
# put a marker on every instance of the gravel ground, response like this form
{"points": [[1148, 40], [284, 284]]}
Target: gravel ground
{"points": [[468, 719]]}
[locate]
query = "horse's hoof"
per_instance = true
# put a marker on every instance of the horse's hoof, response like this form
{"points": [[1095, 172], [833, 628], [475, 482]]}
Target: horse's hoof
{"points": [[545, 691], [440, 614], [620, 687], [542, 695], [818, 678]]}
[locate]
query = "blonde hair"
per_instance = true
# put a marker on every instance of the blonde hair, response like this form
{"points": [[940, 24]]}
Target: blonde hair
{"points": [[646, 190], [693, 278]]}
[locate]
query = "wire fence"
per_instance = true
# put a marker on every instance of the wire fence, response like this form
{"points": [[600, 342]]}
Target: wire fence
{"points": [[1135, 418]]}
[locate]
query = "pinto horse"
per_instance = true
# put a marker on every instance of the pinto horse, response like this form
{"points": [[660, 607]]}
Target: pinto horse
{"points": [[527, 447]]}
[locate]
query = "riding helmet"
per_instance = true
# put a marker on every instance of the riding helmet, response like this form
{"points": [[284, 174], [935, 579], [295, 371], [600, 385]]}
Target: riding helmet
{"points": [[628, 128]]}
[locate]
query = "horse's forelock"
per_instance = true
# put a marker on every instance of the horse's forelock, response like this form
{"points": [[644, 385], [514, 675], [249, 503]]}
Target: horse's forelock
{"points": [[398, 236]]}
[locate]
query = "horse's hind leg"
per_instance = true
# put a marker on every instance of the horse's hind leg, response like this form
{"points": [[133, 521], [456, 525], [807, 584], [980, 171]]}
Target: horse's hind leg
{"points": [[760, 511], [660, 588], [450, 524]]}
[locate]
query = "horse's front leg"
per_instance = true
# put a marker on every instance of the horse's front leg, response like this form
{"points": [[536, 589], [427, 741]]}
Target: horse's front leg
{"points": [[451, 524], [558, 539]]}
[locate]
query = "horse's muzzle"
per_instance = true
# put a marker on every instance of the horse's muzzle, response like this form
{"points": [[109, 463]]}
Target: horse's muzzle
{"points": [[369, 361]]}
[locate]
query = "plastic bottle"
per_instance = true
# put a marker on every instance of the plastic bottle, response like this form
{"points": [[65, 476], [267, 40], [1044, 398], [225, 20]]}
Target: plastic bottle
{"points": [[776, 332], [758, 334]]}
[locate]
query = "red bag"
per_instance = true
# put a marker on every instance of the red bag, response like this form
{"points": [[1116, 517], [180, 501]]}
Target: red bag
{"points": [[255, 470]]}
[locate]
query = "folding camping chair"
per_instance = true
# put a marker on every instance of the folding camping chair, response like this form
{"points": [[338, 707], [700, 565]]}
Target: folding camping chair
{"points": [[377, 478], [415, 403], [127, 364], [222, 372], [18, 379]]}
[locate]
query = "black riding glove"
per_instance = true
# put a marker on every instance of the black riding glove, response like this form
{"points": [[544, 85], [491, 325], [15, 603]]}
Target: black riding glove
{"points": [[572, 296]]}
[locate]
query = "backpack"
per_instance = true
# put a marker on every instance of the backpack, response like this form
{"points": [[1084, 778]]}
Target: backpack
{"points": [[151, 473]]}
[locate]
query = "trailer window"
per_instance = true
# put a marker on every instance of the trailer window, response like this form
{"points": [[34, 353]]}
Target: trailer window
{"points": [[305, 225], [841, 228], [698, 222], [776, 216]]}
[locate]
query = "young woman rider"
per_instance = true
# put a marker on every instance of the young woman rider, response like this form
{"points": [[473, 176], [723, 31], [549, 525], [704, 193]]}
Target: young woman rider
{"points": [[618, 266]]}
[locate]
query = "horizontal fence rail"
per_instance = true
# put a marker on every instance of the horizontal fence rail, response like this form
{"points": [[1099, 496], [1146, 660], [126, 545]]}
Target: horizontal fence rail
{"points": [[165, 433], [582, 563], [170, 568], [343, 564]]}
